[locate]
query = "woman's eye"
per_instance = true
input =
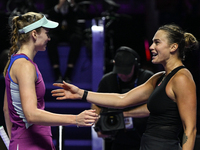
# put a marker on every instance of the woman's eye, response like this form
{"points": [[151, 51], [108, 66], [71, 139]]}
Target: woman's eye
{"points": [[48, 35]]}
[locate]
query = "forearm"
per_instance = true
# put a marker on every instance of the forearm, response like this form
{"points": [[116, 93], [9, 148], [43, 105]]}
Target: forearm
{"points": [[46, 118], [137, 112], [106, 99], [134, 97], [6, 115], [8, 123], [188, 140]]}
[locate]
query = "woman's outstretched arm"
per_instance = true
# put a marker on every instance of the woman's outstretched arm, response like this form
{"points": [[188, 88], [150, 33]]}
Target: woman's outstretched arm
{"points": [[136, 96]]}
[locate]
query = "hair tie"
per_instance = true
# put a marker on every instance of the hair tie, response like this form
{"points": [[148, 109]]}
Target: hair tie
{"points": [[34, 18], [20, 17]]}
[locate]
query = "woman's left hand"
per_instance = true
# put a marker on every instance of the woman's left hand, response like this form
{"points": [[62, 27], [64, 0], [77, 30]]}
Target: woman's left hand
{"points": [[68, 91]]}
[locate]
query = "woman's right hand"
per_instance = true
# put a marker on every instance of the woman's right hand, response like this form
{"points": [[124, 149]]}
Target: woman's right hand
{"points": [[87, 118]]}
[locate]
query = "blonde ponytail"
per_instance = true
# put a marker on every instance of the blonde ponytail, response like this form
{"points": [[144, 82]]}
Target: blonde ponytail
{"points": [[18, 22]]}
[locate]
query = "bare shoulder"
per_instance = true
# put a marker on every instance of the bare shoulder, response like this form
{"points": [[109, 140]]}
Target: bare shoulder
{"points": [[22, 69], [23, 64], [183, 76], [182, 83], [183, 88]]}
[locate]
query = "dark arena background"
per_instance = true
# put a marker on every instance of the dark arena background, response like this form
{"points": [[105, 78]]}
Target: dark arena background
{"points": [[129, 23]]}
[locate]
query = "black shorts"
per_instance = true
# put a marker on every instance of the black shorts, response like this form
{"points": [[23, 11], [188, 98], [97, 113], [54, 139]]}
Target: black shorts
{"points": [[153, 143]]}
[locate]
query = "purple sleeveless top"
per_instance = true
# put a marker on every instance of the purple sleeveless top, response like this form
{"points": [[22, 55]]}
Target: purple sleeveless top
{"points": [[24, 135]]}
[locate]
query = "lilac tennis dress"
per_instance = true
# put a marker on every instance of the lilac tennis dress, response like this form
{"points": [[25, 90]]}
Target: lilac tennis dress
{"points": [[26, 136]]}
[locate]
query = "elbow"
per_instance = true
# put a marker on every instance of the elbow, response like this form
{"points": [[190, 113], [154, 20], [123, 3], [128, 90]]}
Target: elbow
{"points": [[120, 105], [30, 118], [147, 113], [5, 110], [31, 115], [123, 104], [147, 110], [192, 131]]}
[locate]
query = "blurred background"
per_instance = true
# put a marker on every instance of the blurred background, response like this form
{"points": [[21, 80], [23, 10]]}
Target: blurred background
{"points": [[128, 22], [131, 23]]}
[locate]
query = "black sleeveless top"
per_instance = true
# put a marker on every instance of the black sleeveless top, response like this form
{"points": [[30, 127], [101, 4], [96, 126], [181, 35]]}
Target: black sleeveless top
{"points": [[164, 120]]}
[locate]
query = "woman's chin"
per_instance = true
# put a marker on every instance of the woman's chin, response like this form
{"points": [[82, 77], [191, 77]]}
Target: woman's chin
{"points": [[154, 62]]}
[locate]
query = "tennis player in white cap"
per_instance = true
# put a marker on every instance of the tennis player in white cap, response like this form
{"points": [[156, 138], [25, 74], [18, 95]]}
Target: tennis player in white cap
{"points": [[28, 124]]}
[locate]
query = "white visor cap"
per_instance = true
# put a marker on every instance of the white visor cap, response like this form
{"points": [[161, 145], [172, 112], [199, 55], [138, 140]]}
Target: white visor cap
{"points": [[44, 22]]}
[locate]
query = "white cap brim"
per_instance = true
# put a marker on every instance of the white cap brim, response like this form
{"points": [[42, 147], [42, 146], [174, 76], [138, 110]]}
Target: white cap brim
{"points": [[44, 22], [50, 24]]}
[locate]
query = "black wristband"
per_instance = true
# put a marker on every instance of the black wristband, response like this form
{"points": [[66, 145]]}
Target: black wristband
{"points": [[85, 95]]}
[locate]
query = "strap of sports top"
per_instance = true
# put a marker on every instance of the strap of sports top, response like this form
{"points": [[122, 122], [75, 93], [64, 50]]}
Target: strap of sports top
{"points": [[173, 72], [13, 58]]}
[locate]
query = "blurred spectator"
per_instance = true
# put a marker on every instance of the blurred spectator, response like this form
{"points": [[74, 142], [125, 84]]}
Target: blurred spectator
{"points": [[126, 75], [12, 8], [70, 30]]}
